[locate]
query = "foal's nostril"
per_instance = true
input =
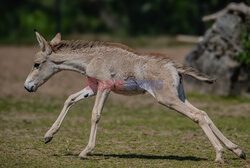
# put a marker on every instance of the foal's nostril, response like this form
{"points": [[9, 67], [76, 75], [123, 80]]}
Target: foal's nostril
{"points": [[26, 88], [29, 90]]}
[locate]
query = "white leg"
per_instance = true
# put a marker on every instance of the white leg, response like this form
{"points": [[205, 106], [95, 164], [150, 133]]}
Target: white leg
{"points": [[200, 118], [96, 115], [173, 101], [214, 141], [230, 145], [72, 99]]}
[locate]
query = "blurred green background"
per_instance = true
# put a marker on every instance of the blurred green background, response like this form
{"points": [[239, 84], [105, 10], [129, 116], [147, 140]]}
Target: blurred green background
{"points": [[115, 17]]}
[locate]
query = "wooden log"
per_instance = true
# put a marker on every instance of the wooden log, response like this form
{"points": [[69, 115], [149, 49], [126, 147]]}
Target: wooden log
{"points": [[188, 38], [232, 7]]}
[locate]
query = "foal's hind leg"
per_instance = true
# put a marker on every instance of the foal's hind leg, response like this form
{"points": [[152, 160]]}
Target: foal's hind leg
{"points": [[231, 146], [170, 99]]}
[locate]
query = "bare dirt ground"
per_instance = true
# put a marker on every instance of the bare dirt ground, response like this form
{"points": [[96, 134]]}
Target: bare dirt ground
{"points": [[16, 63]]}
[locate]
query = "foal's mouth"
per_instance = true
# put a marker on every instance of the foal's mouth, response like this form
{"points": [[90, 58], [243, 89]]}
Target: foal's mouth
{"points": [[31, 89]]}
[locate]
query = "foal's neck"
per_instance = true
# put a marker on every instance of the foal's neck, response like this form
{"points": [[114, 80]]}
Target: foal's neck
{"points": [[73, 60]]}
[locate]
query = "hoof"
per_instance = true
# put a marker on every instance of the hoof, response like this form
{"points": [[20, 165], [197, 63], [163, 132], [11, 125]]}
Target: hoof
{"points": [[83, 156], [221, 161], [47, 139], [243, 155], [240, 153]]}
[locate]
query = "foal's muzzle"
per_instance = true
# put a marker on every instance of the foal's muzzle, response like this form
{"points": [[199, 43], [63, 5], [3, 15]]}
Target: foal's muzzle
{"points": [[30, 87]]}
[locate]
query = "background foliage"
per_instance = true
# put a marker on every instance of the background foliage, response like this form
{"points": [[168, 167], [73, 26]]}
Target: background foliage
{"points": [[244, 55], [123, 17]]}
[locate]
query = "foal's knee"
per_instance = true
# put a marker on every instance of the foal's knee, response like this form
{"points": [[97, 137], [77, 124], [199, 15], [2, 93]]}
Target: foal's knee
{"points": [[96, 118], [70, 100], [201, 117]]}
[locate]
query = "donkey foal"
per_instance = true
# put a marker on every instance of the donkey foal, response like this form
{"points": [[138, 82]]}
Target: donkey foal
{"points": [[107, 62]]}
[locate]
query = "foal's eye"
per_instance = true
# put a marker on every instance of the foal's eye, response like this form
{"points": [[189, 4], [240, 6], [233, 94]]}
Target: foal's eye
{"points": [[36, 65]]}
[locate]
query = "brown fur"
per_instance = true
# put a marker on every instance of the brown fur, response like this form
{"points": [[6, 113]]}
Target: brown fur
{"points": [[80, 44]]}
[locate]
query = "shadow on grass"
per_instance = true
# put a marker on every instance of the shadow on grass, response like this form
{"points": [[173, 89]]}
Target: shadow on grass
{"points": [[136, 156]]}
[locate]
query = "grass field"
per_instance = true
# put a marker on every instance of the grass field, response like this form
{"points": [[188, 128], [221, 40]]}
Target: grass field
{"points": [[143, 135]]}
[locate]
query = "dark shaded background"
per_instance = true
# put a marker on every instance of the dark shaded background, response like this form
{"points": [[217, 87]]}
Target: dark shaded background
{"points": [[116, 17]]}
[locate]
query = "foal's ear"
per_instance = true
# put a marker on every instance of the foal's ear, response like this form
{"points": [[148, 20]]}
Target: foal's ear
{"points": [[56, 40], [44, 45]]}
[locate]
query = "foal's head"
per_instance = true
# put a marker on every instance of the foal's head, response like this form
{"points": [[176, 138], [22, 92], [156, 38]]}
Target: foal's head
{"points": [[43, 67]]}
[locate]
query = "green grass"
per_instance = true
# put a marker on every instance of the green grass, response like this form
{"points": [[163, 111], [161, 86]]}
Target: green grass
{"points": [[228, 99], [145, 136]]}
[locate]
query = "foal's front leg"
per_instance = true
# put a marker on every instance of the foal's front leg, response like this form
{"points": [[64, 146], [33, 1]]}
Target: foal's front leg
{"points": [[72, 99], [96, 116]]}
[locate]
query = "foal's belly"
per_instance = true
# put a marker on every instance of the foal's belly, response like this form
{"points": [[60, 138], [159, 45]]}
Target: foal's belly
{"points": [[128, 87], [129, 92]]}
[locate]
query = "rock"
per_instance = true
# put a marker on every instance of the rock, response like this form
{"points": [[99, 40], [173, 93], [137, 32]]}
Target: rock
{"points": [[216, 56]]}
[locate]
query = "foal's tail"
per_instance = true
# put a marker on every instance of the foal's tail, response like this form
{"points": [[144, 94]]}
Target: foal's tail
{"points": [[195, 74]]}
